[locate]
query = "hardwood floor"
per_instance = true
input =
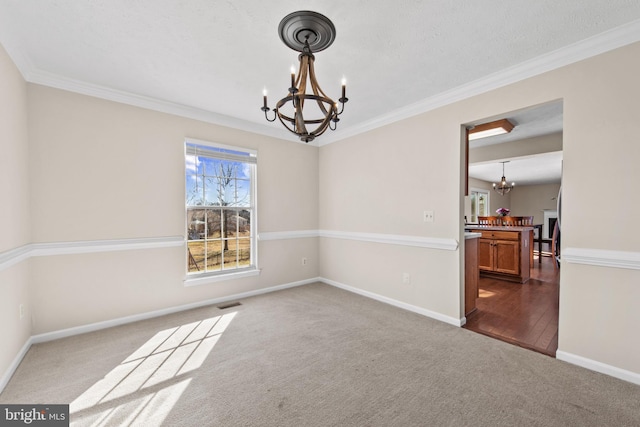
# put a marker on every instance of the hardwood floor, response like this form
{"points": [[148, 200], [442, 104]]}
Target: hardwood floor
{"points": [[521, 314]]}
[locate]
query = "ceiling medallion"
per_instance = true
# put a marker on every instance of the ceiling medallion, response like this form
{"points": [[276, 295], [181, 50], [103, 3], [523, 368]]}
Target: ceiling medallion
{"points": [[306, 32]]}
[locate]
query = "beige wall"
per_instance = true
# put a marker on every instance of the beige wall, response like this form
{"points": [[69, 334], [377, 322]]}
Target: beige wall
{"points": [[382, 180], [533, 199], [523, 200], [496, 201], [14, 210], [103, 170]]}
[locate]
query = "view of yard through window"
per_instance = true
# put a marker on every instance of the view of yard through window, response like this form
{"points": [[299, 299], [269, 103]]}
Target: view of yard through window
{"points": [[219, 201]]}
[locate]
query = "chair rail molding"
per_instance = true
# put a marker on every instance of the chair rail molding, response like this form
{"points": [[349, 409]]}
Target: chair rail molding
{"points": [[14, 256], [448, 244], [602, 258]]}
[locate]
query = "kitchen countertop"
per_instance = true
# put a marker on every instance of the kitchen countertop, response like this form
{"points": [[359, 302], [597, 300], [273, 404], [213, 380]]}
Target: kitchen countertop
{"points": [[474, 227]]}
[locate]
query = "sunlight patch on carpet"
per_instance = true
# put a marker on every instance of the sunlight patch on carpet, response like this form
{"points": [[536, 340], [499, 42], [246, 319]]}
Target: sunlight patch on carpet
{"points": [[146, 385]]}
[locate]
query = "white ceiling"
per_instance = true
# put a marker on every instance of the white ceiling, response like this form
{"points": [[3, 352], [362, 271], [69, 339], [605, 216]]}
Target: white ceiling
{"points": [[545, 168], [211, 59]]}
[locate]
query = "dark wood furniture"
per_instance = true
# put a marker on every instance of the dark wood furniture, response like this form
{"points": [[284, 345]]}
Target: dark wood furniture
{"points": [[504, 252]]}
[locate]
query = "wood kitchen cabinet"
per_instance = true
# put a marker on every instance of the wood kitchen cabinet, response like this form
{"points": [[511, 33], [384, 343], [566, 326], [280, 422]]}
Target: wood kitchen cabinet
{"points": [[505, 254]]}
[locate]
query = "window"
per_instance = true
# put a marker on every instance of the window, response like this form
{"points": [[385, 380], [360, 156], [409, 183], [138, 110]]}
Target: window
{"points": [[220, 205], [479, 204]]}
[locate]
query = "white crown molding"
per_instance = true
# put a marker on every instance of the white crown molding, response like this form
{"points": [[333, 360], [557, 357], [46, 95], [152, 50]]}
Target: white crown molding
{"points": [[603, 368], [604, 42], [602, 258], [60, 82], [403, 305], [584, 49], [394, 239]]}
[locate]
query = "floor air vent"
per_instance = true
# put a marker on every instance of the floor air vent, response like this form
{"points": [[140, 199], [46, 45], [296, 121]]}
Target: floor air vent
{"points": [[231, 304]]}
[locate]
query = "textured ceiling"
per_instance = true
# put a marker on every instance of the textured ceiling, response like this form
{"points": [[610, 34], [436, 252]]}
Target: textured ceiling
{"points": [[215, 57], [545, 168]]}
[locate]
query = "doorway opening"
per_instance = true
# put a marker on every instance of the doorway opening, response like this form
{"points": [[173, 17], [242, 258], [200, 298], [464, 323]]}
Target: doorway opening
{"points": [[524, 314]]}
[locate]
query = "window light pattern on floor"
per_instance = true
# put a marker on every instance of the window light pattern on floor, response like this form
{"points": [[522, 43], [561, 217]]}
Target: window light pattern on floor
{"points": [[143, 389]]}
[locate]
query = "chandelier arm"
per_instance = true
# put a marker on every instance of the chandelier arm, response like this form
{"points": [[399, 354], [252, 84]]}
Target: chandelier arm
{"points": [[275, 114]]}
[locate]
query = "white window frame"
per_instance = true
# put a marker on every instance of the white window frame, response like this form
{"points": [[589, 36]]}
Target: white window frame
{"points": [[205, 277], [477, 191]]}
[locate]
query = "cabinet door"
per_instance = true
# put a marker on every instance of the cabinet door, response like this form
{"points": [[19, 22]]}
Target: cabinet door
{"points": [[507, 256], [485, 254]]}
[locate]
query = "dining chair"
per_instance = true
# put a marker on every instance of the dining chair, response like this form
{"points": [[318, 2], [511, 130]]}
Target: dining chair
{"points": [[489, 221], [526, 220], [510, 221]]}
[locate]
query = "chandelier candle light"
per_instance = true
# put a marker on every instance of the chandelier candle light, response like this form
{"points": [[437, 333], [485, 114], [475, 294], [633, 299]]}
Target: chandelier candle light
{"points": [[503, 188], [303, 31]]}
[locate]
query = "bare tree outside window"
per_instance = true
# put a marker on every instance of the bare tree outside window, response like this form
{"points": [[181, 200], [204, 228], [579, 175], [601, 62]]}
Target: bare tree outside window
{"points": [[219, 209]]}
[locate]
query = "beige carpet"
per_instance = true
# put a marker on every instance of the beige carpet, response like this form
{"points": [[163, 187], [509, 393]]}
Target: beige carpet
{"points": [[312, 356]]}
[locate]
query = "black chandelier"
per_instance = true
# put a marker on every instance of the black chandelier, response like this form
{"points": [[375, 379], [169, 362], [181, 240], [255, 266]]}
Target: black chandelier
{"points": [[503, 188], [303, 31]]}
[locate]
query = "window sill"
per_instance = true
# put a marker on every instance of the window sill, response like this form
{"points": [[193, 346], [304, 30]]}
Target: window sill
{"points": [[205, 280]]}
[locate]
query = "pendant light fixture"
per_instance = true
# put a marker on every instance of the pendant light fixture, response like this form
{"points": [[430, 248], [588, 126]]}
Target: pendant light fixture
{"points": [[503, 188], [306, 111]]}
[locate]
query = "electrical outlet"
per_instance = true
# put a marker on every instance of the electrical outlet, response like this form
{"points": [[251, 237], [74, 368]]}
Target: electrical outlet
{"points": [[304, 261], [406, 278], [21, 311], [428, 216]]}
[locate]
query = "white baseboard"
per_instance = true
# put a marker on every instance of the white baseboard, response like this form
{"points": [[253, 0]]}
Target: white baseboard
{"points": [[4, 379], [423, 311], [63, 333], [593, 365], [603, 368]]}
